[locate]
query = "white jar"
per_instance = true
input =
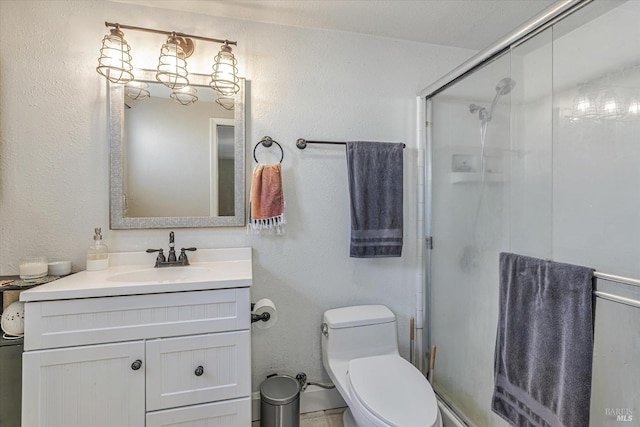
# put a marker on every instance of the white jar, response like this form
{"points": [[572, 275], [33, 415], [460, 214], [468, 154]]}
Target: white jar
{"points": [[33, 267]]}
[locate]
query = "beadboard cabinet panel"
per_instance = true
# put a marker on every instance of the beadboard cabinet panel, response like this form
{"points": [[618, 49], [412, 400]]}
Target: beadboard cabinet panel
{"points": [[65, 323], [84, 386]]}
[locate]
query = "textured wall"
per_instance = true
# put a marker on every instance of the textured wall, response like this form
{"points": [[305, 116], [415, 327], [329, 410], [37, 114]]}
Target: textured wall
{"points": [[54, 170]]}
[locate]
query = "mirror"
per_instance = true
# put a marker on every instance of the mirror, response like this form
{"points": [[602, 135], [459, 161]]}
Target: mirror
{"points": [[175, 165]]}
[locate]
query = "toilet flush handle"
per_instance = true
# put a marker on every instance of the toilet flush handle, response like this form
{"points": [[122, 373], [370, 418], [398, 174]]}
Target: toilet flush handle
{"points": [[325, 329]]}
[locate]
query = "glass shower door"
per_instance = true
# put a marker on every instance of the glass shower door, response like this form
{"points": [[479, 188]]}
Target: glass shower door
{"points": [[537, 153], [470, 219]]}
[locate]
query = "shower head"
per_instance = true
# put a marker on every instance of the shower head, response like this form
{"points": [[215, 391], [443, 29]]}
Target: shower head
{"points": [[505, 86]]}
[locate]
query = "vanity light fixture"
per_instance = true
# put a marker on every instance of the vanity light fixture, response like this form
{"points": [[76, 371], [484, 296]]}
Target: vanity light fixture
{"points": [[137, 90], [610, 97], [115, 60], [172, 65], [610, 107], [185, 95], [584, 104], [633, 109], [224, 78], [115, 64]]}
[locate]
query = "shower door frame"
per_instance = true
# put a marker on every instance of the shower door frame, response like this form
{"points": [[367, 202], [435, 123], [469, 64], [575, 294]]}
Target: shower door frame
{"points": [[529, 29]]}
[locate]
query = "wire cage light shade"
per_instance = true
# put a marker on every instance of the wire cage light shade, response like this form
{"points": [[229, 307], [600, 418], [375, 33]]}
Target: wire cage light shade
{"points": [[226, 102], [172, 66], [633, 106], [584, 104], [137, 90], [185, 95], [224, 78], [610, 105], [115, 58]]}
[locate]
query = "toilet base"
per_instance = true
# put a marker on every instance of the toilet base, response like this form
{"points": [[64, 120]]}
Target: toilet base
{"points": [[348, 420]]}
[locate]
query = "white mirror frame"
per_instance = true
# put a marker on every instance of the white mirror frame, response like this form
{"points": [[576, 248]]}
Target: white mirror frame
{"points": [[116, 183]]}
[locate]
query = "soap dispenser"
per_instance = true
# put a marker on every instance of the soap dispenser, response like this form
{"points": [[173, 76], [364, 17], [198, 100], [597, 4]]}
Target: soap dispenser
{"points": [[98, 253]]}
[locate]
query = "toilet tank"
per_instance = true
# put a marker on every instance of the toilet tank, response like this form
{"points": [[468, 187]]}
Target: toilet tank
{"points": [[359, 331]]}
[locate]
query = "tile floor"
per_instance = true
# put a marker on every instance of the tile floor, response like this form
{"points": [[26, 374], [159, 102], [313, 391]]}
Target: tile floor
{"points": [[329, 418]]}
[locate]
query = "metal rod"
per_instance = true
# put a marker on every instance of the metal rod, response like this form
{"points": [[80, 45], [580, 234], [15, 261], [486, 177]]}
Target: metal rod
{"points": [[619, 279], [301, 143], [555, 11], [168, 33], [411, 341], [616, 298]]}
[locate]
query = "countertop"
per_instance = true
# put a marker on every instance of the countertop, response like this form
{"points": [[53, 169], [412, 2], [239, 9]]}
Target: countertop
{"points": [[224, 268]]}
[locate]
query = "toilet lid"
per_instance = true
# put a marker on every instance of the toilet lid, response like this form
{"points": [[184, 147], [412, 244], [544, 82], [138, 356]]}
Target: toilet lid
{"points": [[393, 390]]}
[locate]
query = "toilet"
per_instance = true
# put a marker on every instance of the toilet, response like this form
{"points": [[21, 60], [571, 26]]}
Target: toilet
{"points": [[381, 389]]}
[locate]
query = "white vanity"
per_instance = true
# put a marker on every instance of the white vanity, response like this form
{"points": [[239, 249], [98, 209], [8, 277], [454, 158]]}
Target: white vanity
{"points": [[138, 346]]}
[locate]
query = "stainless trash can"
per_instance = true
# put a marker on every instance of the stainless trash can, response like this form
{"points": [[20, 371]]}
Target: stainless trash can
{"points": [[280, 402]]}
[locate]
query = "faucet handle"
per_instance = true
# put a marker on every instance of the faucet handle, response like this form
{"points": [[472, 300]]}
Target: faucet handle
{"points": [[183, 256], [160, 257]]}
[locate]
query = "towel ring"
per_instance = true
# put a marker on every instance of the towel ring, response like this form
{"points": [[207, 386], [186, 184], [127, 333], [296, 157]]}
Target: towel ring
{"points": [[267, 142]]}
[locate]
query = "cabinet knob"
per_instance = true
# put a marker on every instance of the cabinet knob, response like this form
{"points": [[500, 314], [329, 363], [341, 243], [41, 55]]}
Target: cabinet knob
{"points": [[136, 365], [199, 371]]}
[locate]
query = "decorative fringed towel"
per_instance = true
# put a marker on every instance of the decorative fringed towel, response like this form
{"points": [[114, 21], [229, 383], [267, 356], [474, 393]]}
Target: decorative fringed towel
{"points": [[375, 187], [544, 344], [266, 201]]}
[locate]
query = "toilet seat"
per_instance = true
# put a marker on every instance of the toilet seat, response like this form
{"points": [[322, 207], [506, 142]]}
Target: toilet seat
{"points": [[392, 392]]}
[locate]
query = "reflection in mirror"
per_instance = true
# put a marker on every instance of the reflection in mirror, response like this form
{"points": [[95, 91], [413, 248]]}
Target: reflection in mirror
{"points": [[176, 165]]}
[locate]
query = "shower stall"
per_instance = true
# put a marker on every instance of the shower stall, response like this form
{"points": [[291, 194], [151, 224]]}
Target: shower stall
{"points": [[533, 147]]}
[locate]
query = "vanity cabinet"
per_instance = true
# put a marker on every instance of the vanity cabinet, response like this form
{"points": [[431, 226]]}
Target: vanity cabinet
{"points": [[161, 359]]}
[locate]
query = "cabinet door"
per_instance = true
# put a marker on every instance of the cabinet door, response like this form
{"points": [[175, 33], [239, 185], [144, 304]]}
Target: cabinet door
{"points": [[230, 413], [97, 386], [175, 379]]}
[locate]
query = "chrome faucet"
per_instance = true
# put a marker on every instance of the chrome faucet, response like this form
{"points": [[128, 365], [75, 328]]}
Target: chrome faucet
{"points": [[171, 260]]}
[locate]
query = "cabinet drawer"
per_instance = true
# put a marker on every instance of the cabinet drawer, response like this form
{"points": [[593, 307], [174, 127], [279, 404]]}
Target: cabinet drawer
{"points": [[172, 380], [230, 413], [66, 323]]}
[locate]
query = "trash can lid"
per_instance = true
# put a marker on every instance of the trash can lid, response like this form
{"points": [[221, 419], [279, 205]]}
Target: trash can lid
{"points": [[279, 390]]}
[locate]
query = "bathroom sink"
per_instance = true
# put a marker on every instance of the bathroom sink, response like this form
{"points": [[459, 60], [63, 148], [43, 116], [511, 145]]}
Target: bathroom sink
{"points": [[133, 273], [164, 275]]}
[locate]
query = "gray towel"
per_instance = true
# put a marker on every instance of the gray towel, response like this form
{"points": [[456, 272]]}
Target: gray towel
{"points": [[375, 186], [544, 344]]}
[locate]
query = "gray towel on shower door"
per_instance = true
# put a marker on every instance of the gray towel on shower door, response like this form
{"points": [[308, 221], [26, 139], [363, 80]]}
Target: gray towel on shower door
{"points": [[544, 344], [375, 187]]}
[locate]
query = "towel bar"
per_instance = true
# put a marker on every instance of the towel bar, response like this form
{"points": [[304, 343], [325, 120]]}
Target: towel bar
{"points": [[619, 279], [301, 143], [617, 298]]}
